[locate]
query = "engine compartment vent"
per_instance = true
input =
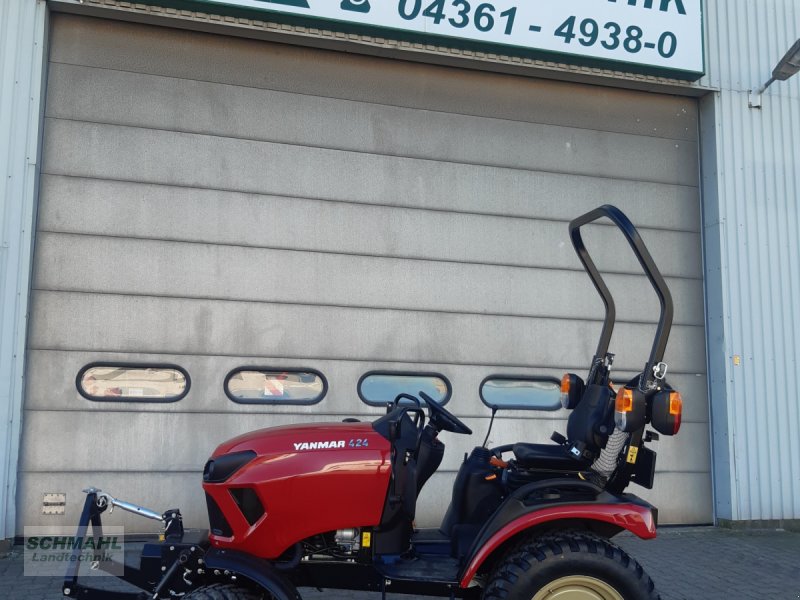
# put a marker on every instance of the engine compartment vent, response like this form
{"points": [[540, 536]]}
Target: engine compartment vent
{"points": [[216, 520], [249, 503]]}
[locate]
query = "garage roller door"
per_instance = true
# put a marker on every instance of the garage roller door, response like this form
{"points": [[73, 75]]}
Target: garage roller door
{"points": [[214, 202]]}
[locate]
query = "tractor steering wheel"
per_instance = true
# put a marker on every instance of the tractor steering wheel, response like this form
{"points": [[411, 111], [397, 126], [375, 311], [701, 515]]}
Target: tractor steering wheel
{"points": [[442, 418], [419, 414]]}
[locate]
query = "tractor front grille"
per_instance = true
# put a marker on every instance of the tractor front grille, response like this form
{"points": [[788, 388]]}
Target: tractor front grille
{"points": [[216, 520]]}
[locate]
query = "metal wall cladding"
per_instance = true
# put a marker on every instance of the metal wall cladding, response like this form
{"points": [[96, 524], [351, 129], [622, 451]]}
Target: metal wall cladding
{"points": [[753, 255], [22, 26], [744, 41], [214, 202]]}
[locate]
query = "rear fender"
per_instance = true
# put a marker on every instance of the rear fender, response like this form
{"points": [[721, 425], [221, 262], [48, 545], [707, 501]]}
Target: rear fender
{"points": [[637, 517], [255, 569]]}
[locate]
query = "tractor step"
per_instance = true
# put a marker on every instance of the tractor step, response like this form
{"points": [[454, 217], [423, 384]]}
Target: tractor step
{"points": [[428, 568]]}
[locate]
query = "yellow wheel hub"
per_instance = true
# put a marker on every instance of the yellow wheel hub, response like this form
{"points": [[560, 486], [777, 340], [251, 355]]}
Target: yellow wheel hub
{"points": [[577, 587]]}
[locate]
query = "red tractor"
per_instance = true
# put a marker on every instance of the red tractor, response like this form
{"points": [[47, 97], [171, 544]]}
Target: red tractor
{"points": [[333, 505]]}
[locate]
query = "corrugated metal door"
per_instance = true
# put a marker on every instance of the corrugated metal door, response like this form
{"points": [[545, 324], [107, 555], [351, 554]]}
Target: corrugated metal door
{"points": [[212, 202]]}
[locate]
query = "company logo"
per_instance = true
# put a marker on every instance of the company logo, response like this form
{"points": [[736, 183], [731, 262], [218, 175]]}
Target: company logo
{"points": [[361, 6], [319, 445], [71, 542], [48, 551]]}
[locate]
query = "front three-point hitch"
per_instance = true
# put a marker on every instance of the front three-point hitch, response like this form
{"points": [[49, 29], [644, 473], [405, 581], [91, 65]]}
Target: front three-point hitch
{"points": [[166, 566]]}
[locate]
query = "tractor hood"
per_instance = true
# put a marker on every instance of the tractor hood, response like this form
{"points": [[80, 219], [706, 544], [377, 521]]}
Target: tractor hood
{"points": [[269, 489], [303, 438]]}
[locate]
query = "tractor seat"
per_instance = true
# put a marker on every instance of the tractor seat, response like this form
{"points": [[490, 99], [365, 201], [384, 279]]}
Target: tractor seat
{"points": [[548, 457]]}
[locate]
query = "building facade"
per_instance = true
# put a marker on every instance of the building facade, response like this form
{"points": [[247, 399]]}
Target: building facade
{"points": [[215, 187]]}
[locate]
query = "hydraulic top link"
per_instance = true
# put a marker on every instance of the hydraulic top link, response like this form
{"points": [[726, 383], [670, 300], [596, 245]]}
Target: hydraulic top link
{"points": [[105, 500]]}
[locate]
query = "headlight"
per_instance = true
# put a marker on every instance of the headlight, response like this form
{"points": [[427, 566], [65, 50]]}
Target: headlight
{"points": [[221, 468]]}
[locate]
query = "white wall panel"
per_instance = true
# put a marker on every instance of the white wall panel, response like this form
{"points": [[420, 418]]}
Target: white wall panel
{"points": [[22, 62], [751, 219], [247, 63], [234, 112], [447, 229], [111, 265], [156, 156], [121, 323], [86, 205]]}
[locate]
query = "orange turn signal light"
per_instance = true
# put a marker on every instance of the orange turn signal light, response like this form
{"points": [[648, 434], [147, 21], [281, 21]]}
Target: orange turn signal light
{"points": [[630, 407], [624, 402], [572, 388], [675, 404]]}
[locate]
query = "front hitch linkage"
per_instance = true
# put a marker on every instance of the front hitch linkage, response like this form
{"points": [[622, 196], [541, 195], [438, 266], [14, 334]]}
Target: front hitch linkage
{"points": [[97, 502]]}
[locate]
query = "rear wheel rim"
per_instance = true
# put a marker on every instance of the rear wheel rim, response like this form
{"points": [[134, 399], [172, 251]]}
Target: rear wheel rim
{"points": [[578, 587]]}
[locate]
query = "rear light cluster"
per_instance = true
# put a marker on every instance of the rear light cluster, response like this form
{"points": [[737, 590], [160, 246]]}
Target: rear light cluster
{"points": [[572, 388], [666, 412], [633, 408], [663, 410]]}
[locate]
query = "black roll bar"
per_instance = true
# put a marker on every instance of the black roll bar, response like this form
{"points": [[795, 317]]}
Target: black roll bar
{"points": [[650, 269]]}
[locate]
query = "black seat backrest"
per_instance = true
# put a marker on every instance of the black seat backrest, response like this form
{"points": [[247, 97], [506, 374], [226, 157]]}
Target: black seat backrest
{"points": [[592, 421], [404, 464], [429, 456], [401, 500]]}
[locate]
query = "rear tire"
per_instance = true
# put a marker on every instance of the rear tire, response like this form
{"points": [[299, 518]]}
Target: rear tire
{"points": [[574, 565], [223, 591]]}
